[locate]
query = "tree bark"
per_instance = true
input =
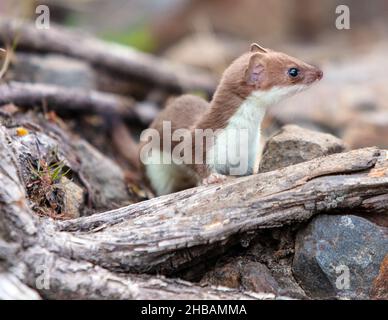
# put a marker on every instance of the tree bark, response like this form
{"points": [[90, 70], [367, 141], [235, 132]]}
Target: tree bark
{"points": [[167, 234], [172, 232], [11, 288], [65, 101], [86, 257], [30, 269], [120, 60]]}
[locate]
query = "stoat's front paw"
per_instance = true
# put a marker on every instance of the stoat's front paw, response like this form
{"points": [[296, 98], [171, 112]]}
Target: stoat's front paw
{"points": [[214, 178]]}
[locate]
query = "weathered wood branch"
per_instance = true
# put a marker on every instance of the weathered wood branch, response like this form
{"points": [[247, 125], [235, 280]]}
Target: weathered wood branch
{"points": [[29, 270], [169, 233], [70, 100], [175, 231], [44, 274], [11, 288], [120, 60], [82, 280]]}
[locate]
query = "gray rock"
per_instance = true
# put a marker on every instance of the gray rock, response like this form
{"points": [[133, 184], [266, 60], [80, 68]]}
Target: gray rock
{"points": [[332, 247], [72, 197], [53, 69], [293, 144], [106, 178]]}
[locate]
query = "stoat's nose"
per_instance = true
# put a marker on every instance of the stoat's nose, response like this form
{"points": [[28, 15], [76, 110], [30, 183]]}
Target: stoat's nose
{"points": [[319, 74], [312, 75]]}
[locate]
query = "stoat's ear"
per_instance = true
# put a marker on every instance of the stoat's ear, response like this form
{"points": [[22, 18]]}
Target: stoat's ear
{"points": [[257, 48], [254, 74]]}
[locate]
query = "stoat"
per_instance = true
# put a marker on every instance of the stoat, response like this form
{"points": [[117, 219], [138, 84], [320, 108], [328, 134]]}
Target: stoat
{"points": [[254, 81]]}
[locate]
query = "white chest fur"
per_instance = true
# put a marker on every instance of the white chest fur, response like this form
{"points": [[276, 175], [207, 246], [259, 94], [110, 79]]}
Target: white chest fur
{"points": [[236, 147]]}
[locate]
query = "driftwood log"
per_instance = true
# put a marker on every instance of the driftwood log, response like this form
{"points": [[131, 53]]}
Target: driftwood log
{"points": [[172, 232], [71, 100], [90, 257], [26, 262], [120, 60]]}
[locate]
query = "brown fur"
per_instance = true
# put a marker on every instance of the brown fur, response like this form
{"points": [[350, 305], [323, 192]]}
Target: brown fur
{"points": [[258, 69]]}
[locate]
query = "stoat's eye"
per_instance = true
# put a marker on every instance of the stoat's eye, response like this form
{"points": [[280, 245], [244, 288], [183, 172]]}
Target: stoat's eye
{"points": [[293, 72]]}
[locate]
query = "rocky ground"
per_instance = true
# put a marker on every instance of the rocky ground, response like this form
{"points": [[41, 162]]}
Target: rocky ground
{"points": [[74, 164], [307, 260]]}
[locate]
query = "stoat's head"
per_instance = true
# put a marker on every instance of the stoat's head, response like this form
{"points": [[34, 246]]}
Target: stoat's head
{"points": [[263, 71]]}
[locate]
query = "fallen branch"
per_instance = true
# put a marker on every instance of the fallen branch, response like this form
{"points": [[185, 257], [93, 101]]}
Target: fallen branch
{"points": [[82, 280], [4, 65], [117, 59], [175, 231], [172, 232], [11, 288], [69, 100], [28, 263], [179, 230]]}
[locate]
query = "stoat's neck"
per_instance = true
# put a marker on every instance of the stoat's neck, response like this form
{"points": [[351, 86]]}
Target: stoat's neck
{"points": [[225, 107], [248, 117], [251, 110], [240, 118], [222, 107]]}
